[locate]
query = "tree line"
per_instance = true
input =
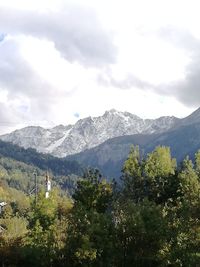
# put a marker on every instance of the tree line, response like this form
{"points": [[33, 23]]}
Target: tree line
{"points": [[150, 218]]}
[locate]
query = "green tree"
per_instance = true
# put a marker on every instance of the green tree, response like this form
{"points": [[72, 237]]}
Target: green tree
{"points": [[47, 235], [132, 176], [189, 209], [197, 163], [89, 232], [159, 172], [12, 240], [152, 177], [141, 234]]}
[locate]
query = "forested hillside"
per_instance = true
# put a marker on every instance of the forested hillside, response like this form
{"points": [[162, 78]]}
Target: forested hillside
{"points": [[150, 219], [43, 161]]}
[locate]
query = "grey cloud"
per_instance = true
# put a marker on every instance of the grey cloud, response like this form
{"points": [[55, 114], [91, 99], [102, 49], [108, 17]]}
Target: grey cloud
{"points": [[17, 77], [75, 31], [181, 38], [186, 90], [128, 82], [24, 87], [10, 117]]}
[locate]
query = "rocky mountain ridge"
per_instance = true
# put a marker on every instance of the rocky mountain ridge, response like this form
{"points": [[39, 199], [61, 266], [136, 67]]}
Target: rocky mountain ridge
{"points": [[110, 156], [90, 132]]}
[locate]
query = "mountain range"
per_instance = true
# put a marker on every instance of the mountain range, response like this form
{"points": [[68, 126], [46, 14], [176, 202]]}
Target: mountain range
{"points": [[87, 133], [104, 142], [110, 155]]}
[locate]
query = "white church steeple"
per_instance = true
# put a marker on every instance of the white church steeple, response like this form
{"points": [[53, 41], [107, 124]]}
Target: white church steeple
{"points": [[47, 185]]}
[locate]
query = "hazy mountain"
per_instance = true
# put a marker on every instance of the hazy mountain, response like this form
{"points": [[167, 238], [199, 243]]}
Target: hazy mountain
{"points": [[87, 133]]}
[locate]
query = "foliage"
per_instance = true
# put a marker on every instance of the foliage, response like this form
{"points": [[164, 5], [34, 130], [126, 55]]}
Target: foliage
{"points": [[150, 219], [90, 225], [140, 233]]}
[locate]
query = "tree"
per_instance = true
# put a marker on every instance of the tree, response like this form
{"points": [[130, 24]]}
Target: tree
{"points": [[140, 234], [197, 163], [12, 240], [159, 172], [47, 236], [155, 180], [89, 232], [132, 178], [183, 218], [152, 177]]}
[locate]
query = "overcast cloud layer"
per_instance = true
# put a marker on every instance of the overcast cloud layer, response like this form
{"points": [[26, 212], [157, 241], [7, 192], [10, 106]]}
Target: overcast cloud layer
{"points": [[67, 60], [75, 32]]}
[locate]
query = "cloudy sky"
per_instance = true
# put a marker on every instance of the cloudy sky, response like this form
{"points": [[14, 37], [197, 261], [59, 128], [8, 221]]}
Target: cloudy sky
{"points": [[62, 60]]}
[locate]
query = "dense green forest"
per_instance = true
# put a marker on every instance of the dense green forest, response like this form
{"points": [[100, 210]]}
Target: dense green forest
{"points": [[58, 166], [150, 218]]}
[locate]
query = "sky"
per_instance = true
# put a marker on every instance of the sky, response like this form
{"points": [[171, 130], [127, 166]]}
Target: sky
{"points": [[63, 60]]}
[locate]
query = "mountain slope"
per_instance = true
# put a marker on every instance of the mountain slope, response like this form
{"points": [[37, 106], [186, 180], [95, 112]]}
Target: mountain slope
{"points": [[45, 162], [110, 156], [87, 133], [191, 119], [184, 140]]}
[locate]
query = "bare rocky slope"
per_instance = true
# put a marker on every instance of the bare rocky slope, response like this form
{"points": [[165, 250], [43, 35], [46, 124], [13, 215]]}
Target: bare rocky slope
{"points": [[87, 133]]}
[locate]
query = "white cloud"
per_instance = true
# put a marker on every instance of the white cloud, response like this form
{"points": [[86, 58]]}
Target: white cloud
{"points": [[62, 58]]}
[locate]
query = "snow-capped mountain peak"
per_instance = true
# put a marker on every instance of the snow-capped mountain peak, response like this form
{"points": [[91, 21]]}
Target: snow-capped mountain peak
{"points": [[87, 133]]}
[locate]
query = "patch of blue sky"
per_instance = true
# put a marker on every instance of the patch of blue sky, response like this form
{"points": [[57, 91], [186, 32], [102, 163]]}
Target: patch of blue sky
{"points": [[2, 36], [76, 115]]}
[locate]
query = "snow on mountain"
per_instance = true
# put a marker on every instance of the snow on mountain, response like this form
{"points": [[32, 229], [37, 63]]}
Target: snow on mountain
{"points": [[87, 133]]}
